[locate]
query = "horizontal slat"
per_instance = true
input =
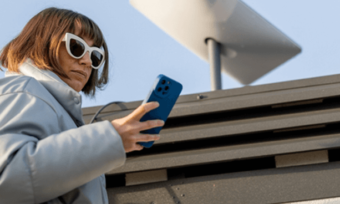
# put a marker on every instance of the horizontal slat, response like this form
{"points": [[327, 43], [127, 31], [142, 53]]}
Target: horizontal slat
{"points": [[318, 201], [300, 159], [184, 108], [280, 86], [255, 100], [210, 155], [249, 125], [146, 177], [294, 84], [262, 186]]}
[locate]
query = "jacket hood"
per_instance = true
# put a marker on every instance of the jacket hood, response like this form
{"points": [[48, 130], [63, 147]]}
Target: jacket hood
{"points": [[70, 99]]}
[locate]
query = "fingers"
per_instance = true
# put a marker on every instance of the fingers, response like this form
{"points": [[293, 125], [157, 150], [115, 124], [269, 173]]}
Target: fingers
{"points": [[147, 138], [138, 147], [151, 124], [133, 144], [135, 147], [129, 127], [143, 109]]}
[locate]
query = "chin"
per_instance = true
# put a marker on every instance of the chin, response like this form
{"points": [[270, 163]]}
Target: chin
{"points": [[77, 88]]}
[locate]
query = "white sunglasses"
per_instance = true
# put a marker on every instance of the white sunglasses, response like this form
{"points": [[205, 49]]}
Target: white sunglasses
{"points": [[77, 47]]}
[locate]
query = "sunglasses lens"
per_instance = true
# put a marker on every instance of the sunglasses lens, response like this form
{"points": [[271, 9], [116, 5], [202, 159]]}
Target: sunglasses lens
{"points": [[77, 48], [96, 58]]}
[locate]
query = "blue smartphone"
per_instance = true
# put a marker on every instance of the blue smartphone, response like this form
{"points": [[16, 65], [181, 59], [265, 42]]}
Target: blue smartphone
{"points": [[165, 91]]}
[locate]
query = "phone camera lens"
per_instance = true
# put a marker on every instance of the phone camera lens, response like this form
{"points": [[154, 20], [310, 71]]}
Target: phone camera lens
{"points": [[159, 89], [163, 81], [166, 88]]}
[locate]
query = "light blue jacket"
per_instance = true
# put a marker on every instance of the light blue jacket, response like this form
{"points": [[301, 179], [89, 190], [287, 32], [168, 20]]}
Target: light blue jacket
{"points": [[47, 154]]}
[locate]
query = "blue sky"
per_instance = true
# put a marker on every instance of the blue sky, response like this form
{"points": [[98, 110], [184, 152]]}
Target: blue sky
{"points": [[140, 51]]}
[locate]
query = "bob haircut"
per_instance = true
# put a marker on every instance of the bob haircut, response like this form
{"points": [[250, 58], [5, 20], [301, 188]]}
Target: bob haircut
{"points": [[41, 38]]}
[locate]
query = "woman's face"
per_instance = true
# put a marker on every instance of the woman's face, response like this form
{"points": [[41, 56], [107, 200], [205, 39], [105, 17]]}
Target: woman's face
{"points": [[78, 70]]}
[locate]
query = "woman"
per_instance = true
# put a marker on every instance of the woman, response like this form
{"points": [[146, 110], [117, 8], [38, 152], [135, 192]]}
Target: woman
{"points": [[47, 154]]}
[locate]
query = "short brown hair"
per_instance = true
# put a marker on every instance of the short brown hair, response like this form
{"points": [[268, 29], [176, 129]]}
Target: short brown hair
{"points": [[41, 38]]}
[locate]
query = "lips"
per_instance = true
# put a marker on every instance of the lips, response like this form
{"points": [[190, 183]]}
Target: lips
{"points": [[84, 74]]}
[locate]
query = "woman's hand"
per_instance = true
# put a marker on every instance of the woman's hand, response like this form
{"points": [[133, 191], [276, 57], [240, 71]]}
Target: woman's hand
{"points": [[129, 127]]}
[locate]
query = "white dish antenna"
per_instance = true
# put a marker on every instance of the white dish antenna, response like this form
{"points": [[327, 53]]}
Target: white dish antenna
{"points": [[243, 44]]}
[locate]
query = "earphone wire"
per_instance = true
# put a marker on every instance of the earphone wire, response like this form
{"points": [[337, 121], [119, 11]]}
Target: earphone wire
{"points": [[102, 108]]}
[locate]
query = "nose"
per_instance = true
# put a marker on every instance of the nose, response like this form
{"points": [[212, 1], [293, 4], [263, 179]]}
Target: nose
{"points": [[86, 60]]}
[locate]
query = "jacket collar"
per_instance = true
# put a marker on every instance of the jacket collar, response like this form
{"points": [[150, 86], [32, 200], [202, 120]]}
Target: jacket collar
{"points": [[64, 94]]}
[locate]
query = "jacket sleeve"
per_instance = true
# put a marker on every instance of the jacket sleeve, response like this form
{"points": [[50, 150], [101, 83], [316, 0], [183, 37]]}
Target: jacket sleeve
{"points": [[34, 170]]}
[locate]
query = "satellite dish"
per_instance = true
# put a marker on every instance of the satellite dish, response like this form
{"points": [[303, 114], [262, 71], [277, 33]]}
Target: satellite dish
{"points": [[248, 45]]}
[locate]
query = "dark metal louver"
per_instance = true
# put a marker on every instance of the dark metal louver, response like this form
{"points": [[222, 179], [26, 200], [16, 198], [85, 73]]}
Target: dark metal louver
{"points": [[272, 143]]}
